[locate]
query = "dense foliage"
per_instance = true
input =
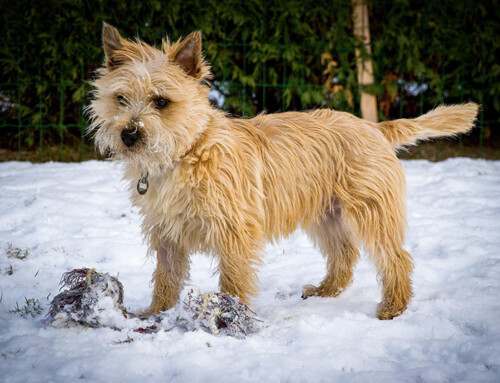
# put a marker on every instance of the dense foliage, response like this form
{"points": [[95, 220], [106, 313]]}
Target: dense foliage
{"points": [[266, 55]]}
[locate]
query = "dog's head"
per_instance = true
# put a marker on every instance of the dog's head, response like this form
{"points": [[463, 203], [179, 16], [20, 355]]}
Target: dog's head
{"points": [[150, 105]]}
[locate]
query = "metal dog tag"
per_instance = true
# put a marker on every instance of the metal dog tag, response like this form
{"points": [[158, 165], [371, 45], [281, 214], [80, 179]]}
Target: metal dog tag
{"points": [[142, 185]]}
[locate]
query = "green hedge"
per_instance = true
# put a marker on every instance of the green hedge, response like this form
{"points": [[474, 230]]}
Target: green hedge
{"points": [[266, 55]]}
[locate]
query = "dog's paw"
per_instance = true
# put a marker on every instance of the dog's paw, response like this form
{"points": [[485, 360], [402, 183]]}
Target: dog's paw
{"points": [[150, 311], [310, 291], [321, 291], [387, 311], [145, 314]]}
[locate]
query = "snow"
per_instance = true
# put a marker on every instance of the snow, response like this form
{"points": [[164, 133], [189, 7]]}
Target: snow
{"points": [[78, 215]]}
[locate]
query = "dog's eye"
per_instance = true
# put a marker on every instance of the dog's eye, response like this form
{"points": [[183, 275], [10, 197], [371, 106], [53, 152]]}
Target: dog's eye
{"points": [[121, 100], [161, 103]]}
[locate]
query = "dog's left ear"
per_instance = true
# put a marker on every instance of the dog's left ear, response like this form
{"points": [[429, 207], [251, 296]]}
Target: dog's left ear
{"points": [[188, 55]]}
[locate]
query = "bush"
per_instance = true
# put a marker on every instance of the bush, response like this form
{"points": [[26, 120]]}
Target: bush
{"points": [[266, 55]]}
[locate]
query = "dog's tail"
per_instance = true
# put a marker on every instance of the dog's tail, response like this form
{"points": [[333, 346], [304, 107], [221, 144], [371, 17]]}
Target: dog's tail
{"points": [[443, 121]]}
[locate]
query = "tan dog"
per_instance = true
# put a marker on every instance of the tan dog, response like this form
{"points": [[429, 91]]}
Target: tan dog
{"points": [[226, 186]]}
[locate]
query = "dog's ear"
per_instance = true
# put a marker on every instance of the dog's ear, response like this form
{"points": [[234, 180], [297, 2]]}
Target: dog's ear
{"points": [[188, 55], [112, 42]]}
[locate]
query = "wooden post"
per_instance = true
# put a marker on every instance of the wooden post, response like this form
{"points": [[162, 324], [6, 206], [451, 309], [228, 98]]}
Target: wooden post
{"points": [[365, 67]]}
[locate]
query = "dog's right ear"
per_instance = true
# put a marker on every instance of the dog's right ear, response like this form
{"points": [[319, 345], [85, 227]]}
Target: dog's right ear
{"points": [[112, 42]]}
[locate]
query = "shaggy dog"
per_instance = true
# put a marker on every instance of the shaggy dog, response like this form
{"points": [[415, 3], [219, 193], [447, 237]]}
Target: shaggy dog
{"points": [[206, 182]]}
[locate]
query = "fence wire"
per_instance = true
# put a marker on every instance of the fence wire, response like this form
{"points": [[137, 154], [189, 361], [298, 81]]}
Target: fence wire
{"points": [[265, 89]]}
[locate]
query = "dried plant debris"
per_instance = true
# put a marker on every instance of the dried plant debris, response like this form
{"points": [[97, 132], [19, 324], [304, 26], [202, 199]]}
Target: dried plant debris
{"points": [[88, 296], [32, 307], [219, 313], [15, 252], [93, 299]]}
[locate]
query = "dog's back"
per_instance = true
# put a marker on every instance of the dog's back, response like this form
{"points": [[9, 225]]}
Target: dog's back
{"points": [[312, 159]]}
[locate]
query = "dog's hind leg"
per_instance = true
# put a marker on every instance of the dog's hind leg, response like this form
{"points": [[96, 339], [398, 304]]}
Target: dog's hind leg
{"points": [[380, 221], [336, 243], [395, 268]]}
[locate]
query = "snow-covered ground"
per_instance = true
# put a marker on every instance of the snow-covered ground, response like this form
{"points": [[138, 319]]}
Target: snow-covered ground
{"points": [[77, 215]]}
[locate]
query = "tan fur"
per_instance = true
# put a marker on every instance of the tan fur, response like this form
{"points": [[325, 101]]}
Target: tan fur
{"points": [[226, 186], [444, 121]]}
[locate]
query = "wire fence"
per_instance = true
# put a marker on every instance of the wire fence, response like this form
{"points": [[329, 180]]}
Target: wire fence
{"points": [[40, 136], [31, 138], [83, 149]]}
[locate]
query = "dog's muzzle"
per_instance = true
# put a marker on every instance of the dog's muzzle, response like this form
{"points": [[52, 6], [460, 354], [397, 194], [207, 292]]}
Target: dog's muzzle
{"points": [[129, 136]]}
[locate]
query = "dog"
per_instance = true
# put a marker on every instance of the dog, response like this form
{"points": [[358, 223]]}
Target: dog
{"points": [[225, 186]]}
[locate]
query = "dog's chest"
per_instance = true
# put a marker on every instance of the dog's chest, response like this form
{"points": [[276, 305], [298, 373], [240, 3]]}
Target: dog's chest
{"points": [[165, 197], [169, 207]]}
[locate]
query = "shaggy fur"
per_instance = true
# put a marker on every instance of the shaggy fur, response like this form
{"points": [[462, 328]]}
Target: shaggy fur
{"points": [[226, 186]]}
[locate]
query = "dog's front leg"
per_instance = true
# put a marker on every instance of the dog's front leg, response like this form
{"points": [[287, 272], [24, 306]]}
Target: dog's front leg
{"points": [[239, 256], [171, 272]]}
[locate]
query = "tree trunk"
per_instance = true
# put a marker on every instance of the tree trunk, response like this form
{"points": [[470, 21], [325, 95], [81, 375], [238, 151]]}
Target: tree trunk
{"points": [[365, 66]]}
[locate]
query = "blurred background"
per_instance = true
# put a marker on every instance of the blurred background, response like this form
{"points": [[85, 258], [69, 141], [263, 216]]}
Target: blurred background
{"points": [[266, 56]]}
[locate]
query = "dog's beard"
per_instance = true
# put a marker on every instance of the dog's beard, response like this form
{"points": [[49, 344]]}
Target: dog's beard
{"points": [[152, 153]]}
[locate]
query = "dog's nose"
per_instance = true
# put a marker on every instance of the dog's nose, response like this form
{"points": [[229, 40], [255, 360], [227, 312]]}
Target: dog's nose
{"points": [[129, 136]]}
